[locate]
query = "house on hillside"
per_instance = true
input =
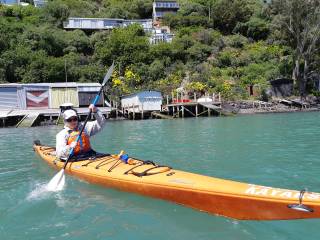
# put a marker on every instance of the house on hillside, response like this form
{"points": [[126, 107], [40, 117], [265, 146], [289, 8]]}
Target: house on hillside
{"points": [[9, 2], [104, 23], [14, 2], [162, 7], [156, 34], [161, 35], [39, 3]]}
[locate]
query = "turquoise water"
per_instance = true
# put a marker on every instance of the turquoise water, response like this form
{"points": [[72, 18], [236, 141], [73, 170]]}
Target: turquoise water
{"points": [[280, 150]]}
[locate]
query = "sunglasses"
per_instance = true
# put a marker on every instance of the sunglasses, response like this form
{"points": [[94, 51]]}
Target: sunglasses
{"points": [[73, 119]]}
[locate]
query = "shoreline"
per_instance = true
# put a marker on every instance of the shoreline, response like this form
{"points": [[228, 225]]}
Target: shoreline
{"points": [[263, 111], [228, 109], [247, 107]]}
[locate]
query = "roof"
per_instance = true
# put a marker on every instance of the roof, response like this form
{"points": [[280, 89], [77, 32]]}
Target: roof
{"points": [[10, 85], [83, 18], [281, 81], [141, 93], [58, 84], [111, 19], [165, 1]]}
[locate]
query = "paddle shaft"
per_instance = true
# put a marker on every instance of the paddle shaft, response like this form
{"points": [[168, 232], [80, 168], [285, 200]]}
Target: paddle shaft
{"points": [[96, 99]]}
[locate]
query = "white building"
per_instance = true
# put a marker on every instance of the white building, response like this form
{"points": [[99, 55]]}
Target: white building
{"points": [[146, 101], [159, 35], [10, 2], [162, 7], [156, 34], [14, 2], [39, 3], [104, 23]]}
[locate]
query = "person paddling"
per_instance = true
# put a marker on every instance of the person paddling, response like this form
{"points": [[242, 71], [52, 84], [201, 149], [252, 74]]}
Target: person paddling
{"points": [[66, 138]]}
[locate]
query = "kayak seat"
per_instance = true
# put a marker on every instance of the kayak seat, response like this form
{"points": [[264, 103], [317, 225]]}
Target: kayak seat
{"points": [[91, 155]]}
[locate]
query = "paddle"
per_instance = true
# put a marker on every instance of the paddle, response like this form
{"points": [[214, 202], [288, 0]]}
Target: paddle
{"points": [[58, 181]]}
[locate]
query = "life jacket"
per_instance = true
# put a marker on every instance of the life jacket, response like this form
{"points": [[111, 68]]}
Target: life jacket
{"points": [[83, 145]]}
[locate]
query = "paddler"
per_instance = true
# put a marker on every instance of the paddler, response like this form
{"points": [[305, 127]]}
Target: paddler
{"points": [[66, 138]]}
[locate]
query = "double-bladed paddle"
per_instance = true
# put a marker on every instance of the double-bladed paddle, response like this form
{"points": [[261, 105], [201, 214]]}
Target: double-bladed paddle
{"points": [[58, 181]]}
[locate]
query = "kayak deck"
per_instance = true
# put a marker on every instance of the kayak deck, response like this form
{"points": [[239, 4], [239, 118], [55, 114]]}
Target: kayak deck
{"points": [[213, 195]]}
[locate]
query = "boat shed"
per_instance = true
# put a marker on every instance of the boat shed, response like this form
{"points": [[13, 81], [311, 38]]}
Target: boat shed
{"points": [[47, 95], [34, 95], [142, 101], [9, 97], [87, 92]]}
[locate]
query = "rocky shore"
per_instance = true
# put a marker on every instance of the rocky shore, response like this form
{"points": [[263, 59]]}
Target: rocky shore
{"points": [[274, 106]]}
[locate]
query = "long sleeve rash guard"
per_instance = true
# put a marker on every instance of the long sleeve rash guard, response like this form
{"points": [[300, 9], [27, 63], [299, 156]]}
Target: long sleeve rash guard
{"points": [[91, 128]]}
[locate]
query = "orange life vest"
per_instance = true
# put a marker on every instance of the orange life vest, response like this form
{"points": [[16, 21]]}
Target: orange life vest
{"points": [[83, 144]]}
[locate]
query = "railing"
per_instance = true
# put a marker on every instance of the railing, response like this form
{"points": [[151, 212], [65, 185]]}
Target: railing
{"points": [[161, 37], [166, 5], [181, 98], [102, 23]]}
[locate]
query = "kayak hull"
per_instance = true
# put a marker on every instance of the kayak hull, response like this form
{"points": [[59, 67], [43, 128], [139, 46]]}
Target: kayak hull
{"points": [[212, 195]]}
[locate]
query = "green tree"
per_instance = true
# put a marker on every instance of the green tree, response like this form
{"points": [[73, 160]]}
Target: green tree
{"points": [[228, 13], [124, 45], [298, 24]]}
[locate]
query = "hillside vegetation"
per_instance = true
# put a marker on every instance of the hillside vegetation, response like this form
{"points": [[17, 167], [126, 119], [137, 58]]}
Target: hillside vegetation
{"points": [[219, 45]]}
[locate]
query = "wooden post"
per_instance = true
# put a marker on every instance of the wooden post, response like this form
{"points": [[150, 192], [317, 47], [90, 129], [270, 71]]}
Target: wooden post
{"points": [[116, 110], [172, 110], [167, 99], [213, 97], [219, 97], [196, 110], [182, 108], [142, 112]]}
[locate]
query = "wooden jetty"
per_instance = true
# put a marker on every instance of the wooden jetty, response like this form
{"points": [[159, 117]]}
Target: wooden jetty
{"points": [[28, 120], [194, 109], [160, 115], [149, 104], [186, 107]]}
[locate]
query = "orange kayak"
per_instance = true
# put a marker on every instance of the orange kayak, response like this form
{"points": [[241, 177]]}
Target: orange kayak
{"points": [[212, 195]]}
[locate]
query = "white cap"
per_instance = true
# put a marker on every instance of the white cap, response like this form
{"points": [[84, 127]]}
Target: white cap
{"points": [[69, 113]]}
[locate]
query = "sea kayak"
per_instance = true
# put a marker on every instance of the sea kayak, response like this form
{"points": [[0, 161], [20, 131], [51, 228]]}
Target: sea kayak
{"points": [[212, 195]]}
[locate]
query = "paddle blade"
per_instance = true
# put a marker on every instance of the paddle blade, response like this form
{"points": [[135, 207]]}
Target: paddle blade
{"points": [[108, 75], [57, 182]]}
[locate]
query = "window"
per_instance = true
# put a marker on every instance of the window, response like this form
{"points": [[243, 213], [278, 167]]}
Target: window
{"points": [[77, 23]]}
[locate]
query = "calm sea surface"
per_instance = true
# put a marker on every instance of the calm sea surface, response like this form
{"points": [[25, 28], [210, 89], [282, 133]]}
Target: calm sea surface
{"points": [[281, 150]]}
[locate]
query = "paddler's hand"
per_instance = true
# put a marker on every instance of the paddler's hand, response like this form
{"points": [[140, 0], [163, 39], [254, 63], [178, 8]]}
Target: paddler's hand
{"points": [[73, 144], [93, 108]]}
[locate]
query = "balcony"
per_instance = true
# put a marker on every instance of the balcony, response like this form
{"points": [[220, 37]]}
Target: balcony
{"points": [[167, 5], [104, 23]]}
